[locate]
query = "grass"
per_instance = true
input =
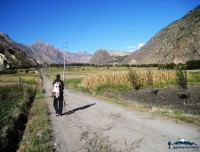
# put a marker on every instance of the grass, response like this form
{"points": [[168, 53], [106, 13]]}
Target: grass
{"points": [[72, 83], [178, 115], [195, 75], [14, 102], [163, 84], [79, 70], [13, 97], [101, 89], [28, 78], [37, 134], [8, 102]]}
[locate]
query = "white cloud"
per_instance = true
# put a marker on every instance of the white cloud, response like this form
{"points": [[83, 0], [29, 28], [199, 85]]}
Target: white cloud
{"points": [[140, 45], [134, 48]]}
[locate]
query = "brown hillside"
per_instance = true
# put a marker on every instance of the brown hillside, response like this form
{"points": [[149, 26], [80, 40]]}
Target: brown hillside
{"points": [[108, 57], [176, 43]]}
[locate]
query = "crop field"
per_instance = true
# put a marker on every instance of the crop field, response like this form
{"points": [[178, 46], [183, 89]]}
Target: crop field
{"points": [[162, 77], [92, 77]]}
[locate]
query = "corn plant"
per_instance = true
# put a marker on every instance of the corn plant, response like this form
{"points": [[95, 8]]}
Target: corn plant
{"points": [[150, 78]]}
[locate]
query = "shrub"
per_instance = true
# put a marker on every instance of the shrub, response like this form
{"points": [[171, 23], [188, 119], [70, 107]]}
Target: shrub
{"points": [[181, 76], [134, 79], [168, 66], [8, 72], [193, 64]]}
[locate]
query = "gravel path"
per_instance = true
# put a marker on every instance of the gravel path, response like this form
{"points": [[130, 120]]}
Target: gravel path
{"points": [[93, 125]]}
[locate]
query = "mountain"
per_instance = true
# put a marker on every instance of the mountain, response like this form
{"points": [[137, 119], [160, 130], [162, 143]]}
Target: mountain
{"points": [[43, 52], [176, 43], [53, 55], [13, 57], [47, 52], [108, 57], [23, 47]]}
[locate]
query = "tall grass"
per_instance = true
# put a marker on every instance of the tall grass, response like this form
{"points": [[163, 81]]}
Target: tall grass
{"points": [[37, 134], [10, 98], [13, 96], [14, 102]]}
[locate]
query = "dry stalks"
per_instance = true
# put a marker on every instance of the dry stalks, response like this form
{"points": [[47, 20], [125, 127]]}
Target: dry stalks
{"points": [[94, 80]]}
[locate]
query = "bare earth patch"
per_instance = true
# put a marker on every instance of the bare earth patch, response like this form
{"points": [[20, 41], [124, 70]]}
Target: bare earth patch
{"points": [[168, 98], [74, 76]]}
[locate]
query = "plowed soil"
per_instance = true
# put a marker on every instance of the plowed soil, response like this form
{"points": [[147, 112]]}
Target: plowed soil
{"points": [[168, 98]]}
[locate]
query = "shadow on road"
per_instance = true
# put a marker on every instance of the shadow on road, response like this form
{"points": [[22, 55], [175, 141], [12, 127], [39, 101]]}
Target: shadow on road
{"points": [[80, 108]]}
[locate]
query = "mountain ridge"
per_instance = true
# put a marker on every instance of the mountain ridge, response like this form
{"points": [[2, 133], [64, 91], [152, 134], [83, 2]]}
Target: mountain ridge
{"points": [[12, 57], [44, 52], [178, 42]]}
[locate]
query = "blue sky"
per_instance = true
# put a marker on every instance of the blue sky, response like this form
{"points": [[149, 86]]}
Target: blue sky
{"points": [[89, 25]]}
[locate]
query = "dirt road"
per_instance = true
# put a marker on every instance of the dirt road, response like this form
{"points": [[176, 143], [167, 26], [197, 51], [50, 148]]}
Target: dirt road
{"points": [[93, 125]]}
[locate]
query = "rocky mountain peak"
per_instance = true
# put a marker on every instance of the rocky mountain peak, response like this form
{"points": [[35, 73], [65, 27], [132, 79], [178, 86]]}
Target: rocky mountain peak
{"points": [[42, 43], [5, 35]]}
